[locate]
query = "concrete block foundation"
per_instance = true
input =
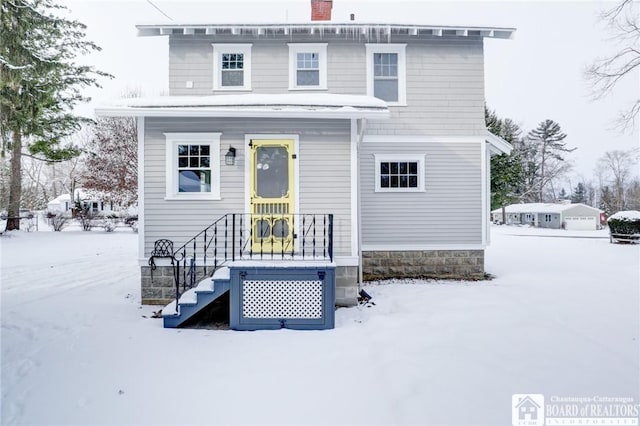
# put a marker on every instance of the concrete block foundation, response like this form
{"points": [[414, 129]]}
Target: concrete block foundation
{"points": [[377, 265], [445, 264]]}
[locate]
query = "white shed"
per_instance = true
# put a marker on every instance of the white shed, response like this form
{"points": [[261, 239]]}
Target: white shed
{"points": [[60, 204]]}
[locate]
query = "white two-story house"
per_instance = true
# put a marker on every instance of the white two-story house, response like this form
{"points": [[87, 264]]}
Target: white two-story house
{"points": [[361, 144]]}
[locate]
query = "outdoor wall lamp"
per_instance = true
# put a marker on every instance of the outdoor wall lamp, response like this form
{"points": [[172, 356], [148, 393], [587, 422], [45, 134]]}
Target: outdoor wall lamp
{"points": [[230, 157]]}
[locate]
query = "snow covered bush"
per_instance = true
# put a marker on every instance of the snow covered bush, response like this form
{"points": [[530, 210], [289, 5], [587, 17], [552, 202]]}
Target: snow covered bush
{"points": [[625, 223], [86, 218], [28, 224], [57, 221], [108, 225], [132, 221]]}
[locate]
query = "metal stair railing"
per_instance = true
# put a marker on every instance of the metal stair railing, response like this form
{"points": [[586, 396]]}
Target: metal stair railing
{"points": [[246, 236]]}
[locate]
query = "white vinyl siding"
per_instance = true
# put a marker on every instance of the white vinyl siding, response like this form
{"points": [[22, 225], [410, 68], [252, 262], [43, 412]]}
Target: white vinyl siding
{"points": [[231, 66], [447, 213], [444, 76], [445, 91], [307, 66], [324, 181]]}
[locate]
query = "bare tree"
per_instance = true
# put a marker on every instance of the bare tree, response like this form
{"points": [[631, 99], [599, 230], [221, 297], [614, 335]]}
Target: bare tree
{"points": [[633, 195], [111, 160], [616, 168], [623, 21]]}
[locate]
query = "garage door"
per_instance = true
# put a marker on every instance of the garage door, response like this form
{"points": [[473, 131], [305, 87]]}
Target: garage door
{"points": [[580, 223]]}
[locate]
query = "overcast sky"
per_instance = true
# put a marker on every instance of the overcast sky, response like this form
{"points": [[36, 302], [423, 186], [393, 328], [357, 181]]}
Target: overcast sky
{"points": [[536, 75]]}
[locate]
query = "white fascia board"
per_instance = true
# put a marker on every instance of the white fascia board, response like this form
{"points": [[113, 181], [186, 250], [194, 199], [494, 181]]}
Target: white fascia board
{"points": [[497, 145], [429, 247], [337, 260], [485, 157], [355, 187], [421, 139], [347, 27], [345, 113], [345, 260], [141, 233]]}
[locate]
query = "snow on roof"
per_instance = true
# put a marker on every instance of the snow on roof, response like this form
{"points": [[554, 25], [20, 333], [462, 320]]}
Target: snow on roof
{"points": [[319, 105], [334, 28], [628, 215], [540, 208], [295, 99], [60, 199], [79, 193]]}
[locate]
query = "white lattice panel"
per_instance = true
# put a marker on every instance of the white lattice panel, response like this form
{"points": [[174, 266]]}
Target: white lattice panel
{"points": [[282, 299]]}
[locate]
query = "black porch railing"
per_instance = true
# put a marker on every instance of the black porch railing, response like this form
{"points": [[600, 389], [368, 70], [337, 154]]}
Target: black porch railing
{"points": [[245, 236]]}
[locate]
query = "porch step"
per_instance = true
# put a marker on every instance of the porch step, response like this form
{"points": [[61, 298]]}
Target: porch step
{"points": [[194, 300]]}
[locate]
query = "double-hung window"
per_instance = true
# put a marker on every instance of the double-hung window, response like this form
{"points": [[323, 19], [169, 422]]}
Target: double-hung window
{"points": [[193, 165], [232, 66], [307, 66], [399, 173], [386, 72]]}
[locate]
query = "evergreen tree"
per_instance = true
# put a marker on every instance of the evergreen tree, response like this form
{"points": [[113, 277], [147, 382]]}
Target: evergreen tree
{"points": [[579, 194], [563, 195], [547, 141], [506, 171], [607, 201], [39, 85]]}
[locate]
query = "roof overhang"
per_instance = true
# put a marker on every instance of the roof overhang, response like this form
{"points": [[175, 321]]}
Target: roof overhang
{"points": [[318, 106], [325, 29], [497, 145]]}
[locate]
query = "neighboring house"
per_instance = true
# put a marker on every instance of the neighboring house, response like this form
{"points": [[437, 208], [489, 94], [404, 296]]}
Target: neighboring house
{"points": [[564, 215], [60, 204], [362, 142], [64, 204]]}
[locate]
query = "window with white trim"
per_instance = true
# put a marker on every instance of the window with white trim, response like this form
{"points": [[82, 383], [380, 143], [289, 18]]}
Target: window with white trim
{"points": [[399, 172], [386, 72], [307, 66], [193, 166], [232, 66]]}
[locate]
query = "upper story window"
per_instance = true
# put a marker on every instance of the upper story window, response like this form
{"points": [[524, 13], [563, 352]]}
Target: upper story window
{"points": [[386, 73], [232, 66], [399, 173], [307, 66], [193, 165]]}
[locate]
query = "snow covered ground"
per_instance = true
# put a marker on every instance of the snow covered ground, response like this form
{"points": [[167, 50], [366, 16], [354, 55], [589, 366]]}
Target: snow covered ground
{"points": [[561, 318]]}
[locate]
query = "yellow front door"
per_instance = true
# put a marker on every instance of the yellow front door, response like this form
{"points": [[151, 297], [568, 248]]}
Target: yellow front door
{"points": [[272, 195]]}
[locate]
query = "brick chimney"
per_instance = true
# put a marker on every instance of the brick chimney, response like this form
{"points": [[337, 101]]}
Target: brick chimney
{"points": [[321, 10]]}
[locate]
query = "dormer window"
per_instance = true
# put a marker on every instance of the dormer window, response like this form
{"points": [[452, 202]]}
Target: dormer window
{"points": [[307, 66], [386, 73], [232, 67]]}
